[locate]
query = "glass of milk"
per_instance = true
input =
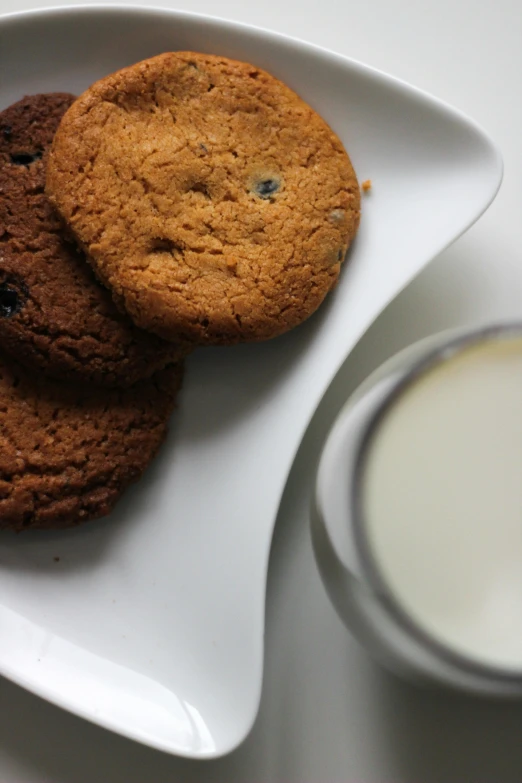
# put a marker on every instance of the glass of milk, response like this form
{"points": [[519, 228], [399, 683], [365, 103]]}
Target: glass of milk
{"points": [[417, 514]]}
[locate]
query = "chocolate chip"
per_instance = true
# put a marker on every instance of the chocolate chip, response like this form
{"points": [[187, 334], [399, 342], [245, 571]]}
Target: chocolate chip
{"points": [[200, 187], [7, 132], [10, 301], [267, 187], [25, 158]]}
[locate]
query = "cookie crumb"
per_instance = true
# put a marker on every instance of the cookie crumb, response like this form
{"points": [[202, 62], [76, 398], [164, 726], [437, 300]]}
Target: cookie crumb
{"points": [[366, 186]]}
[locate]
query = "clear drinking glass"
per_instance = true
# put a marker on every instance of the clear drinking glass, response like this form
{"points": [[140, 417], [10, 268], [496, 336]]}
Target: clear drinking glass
{"points": [[351, 576]]}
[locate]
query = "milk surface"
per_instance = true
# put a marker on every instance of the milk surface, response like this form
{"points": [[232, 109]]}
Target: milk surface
{"points": [[442, 503]]}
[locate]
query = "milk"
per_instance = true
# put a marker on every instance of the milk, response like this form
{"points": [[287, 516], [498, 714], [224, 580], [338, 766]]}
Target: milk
{"points": [[441, 495]]}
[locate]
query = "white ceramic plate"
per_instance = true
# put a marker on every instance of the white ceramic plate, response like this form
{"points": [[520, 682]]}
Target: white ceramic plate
{"points": [[151, 622]]}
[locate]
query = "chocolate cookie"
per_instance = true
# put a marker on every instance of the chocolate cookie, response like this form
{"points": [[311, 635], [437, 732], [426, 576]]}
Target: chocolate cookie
{"points": [[215, 203], [68, 451], [53, 312]]}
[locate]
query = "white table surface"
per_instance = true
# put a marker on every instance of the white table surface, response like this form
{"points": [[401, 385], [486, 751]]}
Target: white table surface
{"points": [[328, 715]]}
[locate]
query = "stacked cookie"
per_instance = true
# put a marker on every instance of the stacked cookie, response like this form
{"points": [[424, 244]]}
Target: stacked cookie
{"points": [[214, 206], [85, 395]]}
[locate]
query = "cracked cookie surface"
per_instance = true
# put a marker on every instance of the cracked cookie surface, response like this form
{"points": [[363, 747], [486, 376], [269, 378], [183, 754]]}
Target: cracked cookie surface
{"points": [[54, 314], [213, 201], [68, 451]]}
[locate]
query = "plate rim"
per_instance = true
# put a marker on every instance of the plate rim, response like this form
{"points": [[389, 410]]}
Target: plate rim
{"points": [[139, 9]]}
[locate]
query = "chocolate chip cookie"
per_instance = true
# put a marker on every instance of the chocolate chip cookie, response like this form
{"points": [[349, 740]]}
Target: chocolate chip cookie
{"points": [[54, 314], [212, 200], [68, 451]]}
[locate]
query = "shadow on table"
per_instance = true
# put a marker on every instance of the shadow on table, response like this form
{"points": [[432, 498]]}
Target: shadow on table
{"points": [[438, 737]]}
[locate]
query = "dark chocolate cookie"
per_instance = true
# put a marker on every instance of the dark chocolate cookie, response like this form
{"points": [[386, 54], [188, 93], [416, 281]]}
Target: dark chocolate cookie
{"points": [[68, 451], [54, 314]]}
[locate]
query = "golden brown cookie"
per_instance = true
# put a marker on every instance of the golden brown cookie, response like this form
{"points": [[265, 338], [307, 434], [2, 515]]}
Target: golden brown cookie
{"points": [[54, 314], [67, 452], [212, 200]]}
